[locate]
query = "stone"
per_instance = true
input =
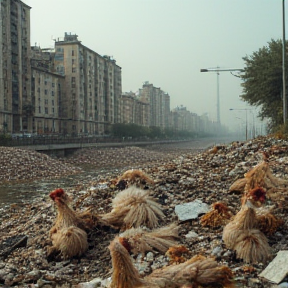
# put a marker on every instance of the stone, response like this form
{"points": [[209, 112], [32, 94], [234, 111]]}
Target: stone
{"points": [[277, 270], [191, 210]]}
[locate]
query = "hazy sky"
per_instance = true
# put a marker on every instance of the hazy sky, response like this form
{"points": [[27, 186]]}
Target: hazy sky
{"points": [[167, 42]]}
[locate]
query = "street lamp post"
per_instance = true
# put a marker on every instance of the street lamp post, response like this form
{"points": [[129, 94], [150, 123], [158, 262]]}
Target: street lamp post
{"points": [[217, 70], [283, 67], [242, 122], [246, 126]]}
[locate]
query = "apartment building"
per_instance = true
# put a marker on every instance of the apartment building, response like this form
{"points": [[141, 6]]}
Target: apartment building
{"points": [[92, 84], [15, 70], [142, 113], [47, 92], [132, 110], [159, 104]]}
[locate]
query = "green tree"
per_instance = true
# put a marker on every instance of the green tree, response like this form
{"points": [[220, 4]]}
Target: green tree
{"points": [[262, 82]]}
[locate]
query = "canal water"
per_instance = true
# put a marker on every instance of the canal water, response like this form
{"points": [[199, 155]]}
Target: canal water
{"points": [[29, 191]]}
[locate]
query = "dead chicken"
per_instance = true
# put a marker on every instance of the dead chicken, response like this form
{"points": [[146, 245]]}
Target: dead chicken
{"points": [[262, 176], [218, 216], [67, 235], [196, 271], [243, 234], [140, 240], [133, 177], [133, 207]]}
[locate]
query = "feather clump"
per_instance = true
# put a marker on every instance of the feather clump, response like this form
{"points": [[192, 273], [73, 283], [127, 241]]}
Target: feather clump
{"points": [[195, 271], [67, 235], [175, 254], [218, 216], [139, 240], [134, 177], [133, 207], [262, 176], [242, 233], [268, 223]]}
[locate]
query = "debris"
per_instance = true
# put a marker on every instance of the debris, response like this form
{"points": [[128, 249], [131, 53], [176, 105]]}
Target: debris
{"points": [[10, 244], [191, 210], [277, 270]]}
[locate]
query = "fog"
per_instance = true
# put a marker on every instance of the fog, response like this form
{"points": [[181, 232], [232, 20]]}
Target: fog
{"points": [[167, 42]]}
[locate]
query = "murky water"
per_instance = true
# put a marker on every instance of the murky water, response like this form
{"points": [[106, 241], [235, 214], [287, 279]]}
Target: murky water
{"points": [[28, 192]]}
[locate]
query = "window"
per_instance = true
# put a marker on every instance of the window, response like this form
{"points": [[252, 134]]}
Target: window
{"points": [[73, 80], [53, 84], [46, 91], [46, 110], [45, 82], [52, 102], [46, 102], [39, 109], [52, 93], [73, 53], [73, 70]]}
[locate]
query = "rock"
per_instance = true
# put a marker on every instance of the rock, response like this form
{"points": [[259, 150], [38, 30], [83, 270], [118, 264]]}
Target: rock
{"points": [[178, 181], [254, 282], [191, 234], [192, 210], [217, 251], [94, 283], [150, 257]]}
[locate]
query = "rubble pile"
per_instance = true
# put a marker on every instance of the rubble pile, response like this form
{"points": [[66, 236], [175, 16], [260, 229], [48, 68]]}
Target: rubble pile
{"points": [[121, 157], [18, 165], [204, 177]]}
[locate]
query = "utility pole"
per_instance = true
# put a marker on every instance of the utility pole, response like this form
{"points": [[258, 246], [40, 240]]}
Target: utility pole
{"points": [[283, 67], [218, 70]]}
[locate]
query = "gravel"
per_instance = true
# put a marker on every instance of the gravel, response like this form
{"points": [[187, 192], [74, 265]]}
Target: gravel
{"points": [[181, 175]]}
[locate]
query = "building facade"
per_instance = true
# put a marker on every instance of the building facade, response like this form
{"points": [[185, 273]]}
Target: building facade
{"points": [[93, 87], [15, 69], [71, 89], [133, 110], [159, 102]]}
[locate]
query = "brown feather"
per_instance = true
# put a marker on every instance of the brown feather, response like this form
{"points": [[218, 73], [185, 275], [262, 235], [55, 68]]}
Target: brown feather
{"points": [[159, 239], [71, 241], [134, 207], [124, 273], [252, 246], [219, 216]]}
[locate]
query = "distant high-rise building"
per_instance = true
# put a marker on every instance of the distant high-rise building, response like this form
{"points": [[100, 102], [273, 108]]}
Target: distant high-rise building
{"points": [[16, 108], [133, 110], [159, 104], [93, 87]]}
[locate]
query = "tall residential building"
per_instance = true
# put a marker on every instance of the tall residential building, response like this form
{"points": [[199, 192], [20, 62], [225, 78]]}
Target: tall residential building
{"points": [[159, 104], [15, 71], [47, 92], [93, 87], [132, 110]]}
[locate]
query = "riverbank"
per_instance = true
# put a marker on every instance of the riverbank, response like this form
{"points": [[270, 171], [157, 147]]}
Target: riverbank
{"points": [[180, 176]]}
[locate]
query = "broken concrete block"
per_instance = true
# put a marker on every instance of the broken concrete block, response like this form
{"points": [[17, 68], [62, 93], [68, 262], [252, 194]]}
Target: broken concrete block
{"points": [[277, 270], [191, 210]]}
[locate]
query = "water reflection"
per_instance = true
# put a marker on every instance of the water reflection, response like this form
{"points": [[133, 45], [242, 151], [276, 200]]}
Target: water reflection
{"points": [[28, 192]]}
